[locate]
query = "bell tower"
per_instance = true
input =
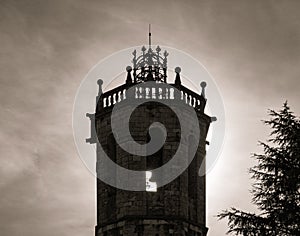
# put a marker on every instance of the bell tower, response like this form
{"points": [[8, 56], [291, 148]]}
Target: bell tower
{"points": [[178, 207]]}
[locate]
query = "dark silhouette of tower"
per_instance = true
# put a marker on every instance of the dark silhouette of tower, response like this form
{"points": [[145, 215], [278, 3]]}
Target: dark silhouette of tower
{"points": [[177, 208]]}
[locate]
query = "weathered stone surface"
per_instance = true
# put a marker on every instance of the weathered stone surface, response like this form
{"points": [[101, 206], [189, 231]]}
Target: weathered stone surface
{"points": [[177, 208]]}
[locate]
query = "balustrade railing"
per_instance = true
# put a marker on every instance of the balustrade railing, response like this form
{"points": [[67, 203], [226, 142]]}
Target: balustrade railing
{"points": [[159, 92]]}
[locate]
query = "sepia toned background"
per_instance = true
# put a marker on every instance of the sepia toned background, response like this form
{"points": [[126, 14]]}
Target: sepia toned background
{"points": [[251, 48]]}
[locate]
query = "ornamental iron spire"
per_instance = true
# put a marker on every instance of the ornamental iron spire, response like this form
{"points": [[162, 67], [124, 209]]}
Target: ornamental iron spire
{"points": [[150, 65], [149, 35]]}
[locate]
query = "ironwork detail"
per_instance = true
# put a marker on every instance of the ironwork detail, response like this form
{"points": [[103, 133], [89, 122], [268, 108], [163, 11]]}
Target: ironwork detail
{"points": [[150, 65]]}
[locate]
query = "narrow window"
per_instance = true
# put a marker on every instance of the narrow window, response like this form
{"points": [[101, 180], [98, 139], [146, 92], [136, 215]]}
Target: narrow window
{"points": [[153, 161], [150, 186]]}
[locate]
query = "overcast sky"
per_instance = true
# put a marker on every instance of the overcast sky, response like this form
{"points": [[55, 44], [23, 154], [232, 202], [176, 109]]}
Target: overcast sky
{"points": [[251, 48]]}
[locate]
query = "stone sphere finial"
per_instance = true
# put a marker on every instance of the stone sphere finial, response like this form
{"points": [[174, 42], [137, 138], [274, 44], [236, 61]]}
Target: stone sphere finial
{"points": [[177, 69], [100, 82], [129, 79], [203, 85], [128, 68], [177, 78]]}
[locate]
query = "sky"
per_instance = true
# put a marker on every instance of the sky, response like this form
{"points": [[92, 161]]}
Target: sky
{"points": [[251, 48]]}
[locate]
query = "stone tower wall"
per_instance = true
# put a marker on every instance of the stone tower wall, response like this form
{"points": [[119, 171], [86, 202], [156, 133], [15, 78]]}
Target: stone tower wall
{"points": [[177, 208]]}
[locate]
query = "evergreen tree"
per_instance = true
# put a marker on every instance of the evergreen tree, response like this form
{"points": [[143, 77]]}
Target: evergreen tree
{"points": [[276, 190]]}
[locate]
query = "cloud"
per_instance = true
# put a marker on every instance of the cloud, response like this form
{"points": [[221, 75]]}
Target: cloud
{"points": [[47, 47]]}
